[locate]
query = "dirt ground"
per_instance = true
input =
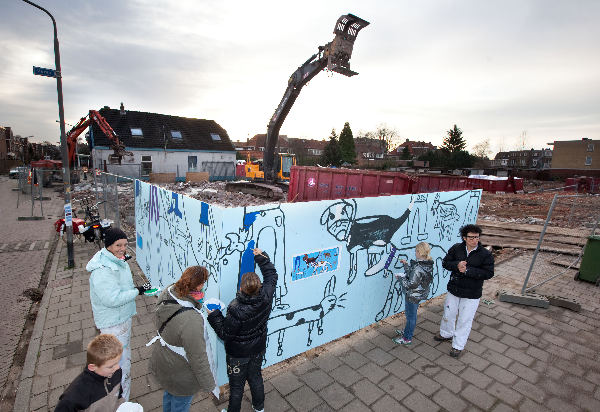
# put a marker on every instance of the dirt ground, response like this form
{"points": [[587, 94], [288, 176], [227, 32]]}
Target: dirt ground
{"points": [[570, 210]]}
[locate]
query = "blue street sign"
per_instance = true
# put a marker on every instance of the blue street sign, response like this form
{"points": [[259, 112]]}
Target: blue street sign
{"points": [[40, 71]]}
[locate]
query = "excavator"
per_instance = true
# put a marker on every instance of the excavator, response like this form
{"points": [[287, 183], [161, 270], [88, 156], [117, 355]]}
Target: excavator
{"points": [[255, 171], [84, 123], [334, 56]]}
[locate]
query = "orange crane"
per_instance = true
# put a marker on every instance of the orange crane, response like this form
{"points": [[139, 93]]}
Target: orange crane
{"points": [[84, 123]]}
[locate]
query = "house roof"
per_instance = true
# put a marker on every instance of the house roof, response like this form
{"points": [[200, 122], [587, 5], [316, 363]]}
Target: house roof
{"points": [[156, 131], [412, 145]]}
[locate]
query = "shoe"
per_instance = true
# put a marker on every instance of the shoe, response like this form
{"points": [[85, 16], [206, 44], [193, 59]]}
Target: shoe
{"points": [[401, 340], [455, 353], [440, 338], [256, 410], [224, 410]]}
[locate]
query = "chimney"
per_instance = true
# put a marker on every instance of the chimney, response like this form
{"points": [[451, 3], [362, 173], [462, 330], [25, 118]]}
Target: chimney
{"points": [[122, 109]]}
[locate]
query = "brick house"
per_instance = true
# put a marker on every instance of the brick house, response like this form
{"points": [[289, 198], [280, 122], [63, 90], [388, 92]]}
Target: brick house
{"points": [[576, 154]]}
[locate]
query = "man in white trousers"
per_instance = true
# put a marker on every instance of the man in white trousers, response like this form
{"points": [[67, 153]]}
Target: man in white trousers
{"points": [[470, 264]]}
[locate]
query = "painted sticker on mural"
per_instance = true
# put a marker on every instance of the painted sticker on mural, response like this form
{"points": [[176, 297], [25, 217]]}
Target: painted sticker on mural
{"points": [[315, 263]]}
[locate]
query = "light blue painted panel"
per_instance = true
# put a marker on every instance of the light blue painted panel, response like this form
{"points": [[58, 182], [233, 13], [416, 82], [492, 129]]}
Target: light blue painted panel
{"points": [[335, 258]]}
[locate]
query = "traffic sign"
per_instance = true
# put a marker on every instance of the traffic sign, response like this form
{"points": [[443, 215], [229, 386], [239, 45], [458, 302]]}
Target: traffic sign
{"points": [[40, 71]]}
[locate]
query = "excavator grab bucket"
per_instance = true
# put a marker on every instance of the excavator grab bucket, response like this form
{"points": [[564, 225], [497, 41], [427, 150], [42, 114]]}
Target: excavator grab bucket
{"points": [[340, 49]]}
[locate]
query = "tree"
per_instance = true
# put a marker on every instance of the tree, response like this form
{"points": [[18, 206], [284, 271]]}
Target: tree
{"points": [[347, 144], [482, 149], [454, 141], [405, 153], [386, 135], [332, 154]]}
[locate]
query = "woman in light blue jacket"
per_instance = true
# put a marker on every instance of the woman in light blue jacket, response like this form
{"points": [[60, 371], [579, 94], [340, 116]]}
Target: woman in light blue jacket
{"points": [[113, 294]]}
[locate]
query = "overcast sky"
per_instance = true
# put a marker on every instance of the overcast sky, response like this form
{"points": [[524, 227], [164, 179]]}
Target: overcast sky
{"points": [[500, 70]]}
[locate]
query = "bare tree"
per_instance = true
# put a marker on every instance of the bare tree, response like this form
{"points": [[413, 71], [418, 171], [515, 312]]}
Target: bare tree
{"points": [[388, 136], [482, 149]]}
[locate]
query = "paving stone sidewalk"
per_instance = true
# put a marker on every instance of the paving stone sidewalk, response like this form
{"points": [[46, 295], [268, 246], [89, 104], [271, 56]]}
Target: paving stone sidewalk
{"points": [[517, 358], [24, 248]]}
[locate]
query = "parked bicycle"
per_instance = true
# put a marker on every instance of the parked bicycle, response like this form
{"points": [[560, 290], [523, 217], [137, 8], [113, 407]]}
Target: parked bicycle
{"points": [[91, 228]]}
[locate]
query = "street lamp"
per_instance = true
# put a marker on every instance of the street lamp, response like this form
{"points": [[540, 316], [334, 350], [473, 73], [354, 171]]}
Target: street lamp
{"points": [[63, 142]]}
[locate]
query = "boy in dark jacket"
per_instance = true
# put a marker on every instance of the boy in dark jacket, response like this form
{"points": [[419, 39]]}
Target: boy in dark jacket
{"points": [[244, 331], [470, 264], [99, 386]]}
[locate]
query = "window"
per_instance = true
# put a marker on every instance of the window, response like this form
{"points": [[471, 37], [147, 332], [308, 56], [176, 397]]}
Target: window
{"points": [[137, 132], [146, 165], [113, 159], [176, 134], [215, 136], [590, 147], [588, 160], [192, 163]]}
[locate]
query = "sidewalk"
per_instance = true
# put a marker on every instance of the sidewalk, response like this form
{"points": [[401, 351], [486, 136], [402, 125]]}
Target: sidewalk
{"points": [[24, 248], [517, 358]]}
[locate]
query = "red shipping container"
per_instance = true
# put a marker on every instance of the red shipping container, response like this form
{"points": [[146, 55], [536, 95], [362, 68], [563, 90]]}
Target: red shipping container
{"points": [[319, 183]]}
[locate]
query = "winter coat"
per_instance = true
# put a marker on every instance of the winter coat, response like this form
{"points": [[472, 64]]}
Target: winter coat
{"points": [[417, 282], [244, 329], [480, 267], [176, 375], [90, 391], [112, 291]]}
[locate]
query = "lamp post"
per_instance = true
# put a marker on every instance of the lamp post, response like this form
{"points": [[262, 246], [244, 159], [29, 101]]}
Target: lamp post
{"points": [[63, 142]]}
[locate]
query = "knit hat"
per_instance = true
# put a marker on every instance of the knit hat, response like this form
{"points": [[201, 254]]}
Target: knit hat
{"points": [[112, 235]]}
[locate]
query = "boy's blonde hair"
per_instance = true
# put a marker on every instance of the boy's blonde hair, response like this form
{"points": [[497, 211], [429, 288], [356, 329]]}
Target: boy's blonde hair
{"points": [[103, 348], [424, 250]]}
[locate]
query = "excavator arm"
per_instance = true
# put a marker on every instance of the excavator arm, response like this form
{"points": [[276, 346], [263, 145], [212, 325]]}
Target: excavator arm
{"points": [[334, 56], [84, 123]]}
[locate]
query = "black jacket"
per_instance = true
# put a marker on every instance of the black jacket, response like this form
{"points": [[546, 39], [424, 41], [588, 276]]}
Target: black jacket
{"points": [[89, 389], [480, 267], [244, 329]]}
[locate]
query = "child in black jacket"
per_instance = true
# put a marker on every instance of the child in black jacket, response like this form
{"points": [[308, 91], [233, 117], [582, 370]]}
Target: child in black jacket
{"points": [[244, 331]]}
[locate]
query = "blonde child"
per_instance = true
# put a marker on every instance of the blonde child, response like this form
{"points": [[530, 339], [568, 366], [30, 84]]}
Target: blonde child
{"points": [[98, 387], [416, 282]]}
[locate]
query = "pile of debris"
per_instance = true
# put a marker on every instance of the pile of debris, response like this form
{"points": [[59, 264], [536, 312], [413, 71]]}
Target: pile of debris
{"points": [[532, 208], [215, 194]]}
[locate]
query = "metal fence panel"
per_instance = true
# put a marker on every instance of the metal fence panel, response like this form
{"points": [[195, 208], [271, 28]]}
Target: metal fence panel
{"points": [[561, 242], [132, 171]]}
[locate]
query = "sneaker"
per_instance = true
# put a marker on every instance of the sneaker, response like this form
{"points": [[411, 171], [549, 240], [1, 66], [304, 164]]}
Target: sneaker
{"points": [[440, 338], [401, 340], [455, 353], [257, 410]]}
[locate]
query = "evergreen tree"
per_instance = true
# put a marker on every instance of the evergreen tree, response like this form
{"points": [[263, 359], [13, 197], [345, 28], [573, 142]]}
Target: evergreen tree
{"points": [[454, 141], [405, 153], [332, 155], [347, 144]]}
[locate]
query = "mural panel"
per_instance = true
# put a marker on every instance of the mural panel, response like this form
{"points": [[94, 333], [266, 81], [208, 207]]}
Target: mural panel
{"points": [[335, 258]]}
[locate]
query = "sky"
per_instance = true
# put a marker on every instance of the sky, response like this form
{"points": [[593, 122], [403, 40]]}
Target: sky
{"points": [[517, 73]]}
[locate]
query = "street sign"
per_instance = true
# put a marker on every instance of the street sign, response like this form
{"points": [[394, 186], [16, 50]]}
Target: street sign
{"points": [[40, 71]]}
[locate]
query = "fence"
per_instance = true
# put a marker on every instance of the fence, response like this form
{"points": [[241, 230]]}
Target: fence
{"points": [[560, 246], [31, 184], [116, 196], [131, 171]]}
